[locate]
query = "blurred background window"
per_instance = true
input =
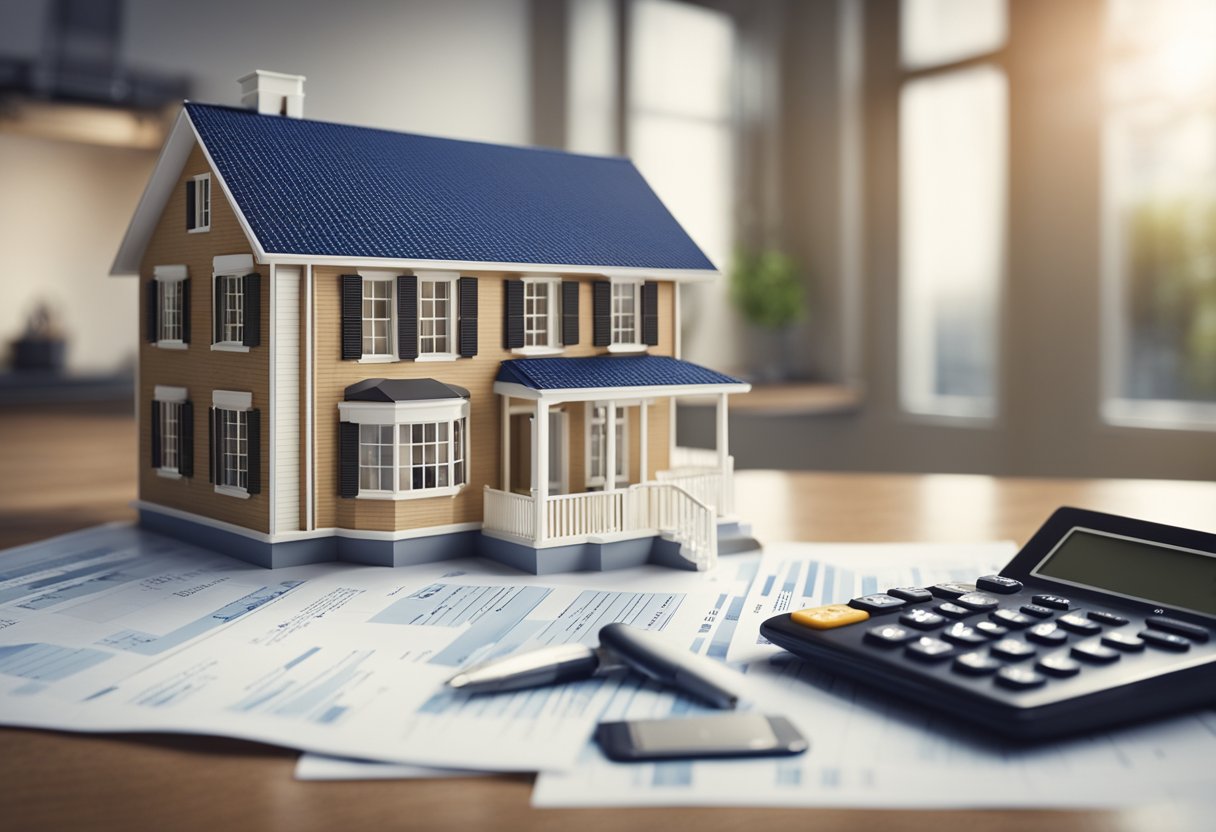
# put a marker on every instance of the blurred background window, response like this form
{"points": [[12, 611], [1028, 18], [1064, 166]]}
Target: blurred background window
{"points": [[1159, 206], [953, 162]]}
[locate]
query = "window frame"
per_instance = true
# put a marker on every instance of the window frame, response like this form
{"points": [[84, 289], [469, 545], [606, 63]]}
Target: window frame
{"points": [[166, 276], [389, 279], [238, 404], [454, 413], [237, 278], [596, 424], [451, 318], [202, 204], [553, 315], [615, 345], [171, 400]]}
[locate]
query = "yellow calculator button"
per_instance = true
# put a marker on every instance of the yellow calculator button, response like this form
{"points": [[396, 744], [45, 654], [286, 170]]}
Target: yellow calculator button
{"points": [[829, 617]]}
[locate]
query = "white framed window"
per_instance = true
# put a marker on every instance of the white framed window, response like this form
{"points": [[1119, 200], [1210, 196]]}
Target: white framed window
{"points": [[542, 312], [378, 318], [627, 315], [169, 429], [410, 450], [201, 193], [232, 442], [597, 444], [436, 316], [171, 288], [230, 311]]}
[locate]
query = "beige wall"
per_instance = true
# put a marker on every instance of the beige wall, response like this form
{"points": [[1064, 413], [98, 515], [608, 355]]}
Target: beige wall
{"points": [[197, 368]]}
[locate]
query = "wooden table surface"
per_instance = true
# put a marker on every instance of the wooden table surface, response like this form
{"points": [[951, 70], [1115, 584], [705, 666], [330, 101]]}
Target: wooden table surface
{"points": [[65, 470]]}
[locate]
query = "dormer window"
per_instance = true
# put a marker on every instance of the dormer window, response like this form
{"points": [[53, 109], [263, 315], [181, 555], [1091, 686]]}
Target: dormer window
{"points": [[198, 203]]}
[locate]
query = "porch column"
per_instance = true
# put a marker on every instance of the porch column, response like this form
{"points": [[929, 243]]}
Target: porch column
{"points": [[506, 443], [540, 465], [723, 453], [643, 434], [610, 445]]}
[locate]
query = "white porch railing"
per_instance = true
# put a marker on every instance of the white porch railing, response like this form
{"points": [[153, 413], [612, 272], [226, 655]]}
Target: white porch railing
{"points": [[646, 508], [708, 483]]}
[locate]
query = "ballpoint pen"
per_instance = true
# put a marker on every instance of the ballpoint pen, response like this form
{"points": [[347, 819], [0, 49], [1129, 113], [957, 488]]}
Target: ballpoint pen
{"points": [[620, 645]]}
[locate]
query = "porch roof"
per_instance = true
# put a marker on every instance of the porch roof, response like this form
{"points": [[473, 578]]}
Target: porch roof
{"points": [[638, 374]]}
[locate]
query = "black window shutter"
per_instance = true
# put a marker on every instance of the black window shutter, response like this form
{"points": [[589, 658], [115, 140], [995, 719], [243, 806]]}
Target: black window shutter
{"points": [[466, 287], [185, 439], [348, 459], [407, 316], [156, 449], [569, 313], [253, 433], [650, 313], [352, 317], [186, 311], [601, 313], [190, 219], [213, 448], [513, 314], [217, 310], [251, 296], [151, 313]]}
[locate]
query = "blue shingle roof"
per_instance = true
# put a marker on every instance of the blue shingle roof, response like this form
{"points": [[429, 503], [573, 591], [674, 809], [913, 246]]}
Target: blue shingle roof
{"points": [[607, 371], [316, 188]]}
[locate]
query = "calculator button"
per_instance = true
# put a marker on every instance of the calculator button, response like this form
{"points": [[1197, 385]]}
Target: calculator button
{"points": [[1012, 650], [998, 583], [889, 635], [929, 649], [922, 619], [978, 601], [1046, 633], [1179, 628], [1037, 611], [1092, 651], [963, 635], [1058, 664], [1077, 623], [952, 610], [1056, 602], [1012, 619], [1166, 641], [1127, 642], [1019, 678], [878, 603], [991, 629], [1106, 618], [829, 617], [976, 664], [951, 591], [911, 594]]}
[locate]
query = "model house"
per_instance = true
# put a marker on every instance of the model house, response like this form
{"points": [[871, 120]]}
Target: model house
{"points": [[392, 348]]}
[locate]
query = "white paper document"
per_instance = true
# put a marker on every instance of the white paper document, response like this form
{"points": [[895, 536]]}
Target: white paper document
{"points": [[866, 749]]}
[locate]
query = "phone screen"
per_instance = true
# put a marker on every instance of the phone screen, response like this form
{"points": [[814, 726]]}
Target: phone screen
{"points": [[743, 732]]}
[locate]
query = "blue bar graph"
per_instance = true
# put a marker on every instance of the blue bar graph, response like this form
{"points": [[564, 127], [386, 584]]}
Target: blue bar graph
{"points": [[491, 628], [47, 662], [726, 630], [812, 572]]}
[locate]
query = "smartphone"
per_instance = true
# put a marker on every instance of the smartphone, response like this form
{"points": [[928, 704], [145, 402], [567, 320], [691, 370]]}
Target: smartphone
{"points": [[728, 735]]}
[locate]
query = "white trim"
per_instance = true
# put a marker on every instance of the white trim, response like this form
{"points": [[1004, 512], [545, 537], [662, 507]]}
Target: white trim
{"points": [[232, 491], [416, 494], [633, 346], [285, 537], [309, 474], [163, 393], [171, 345], [168, 473], [460, 266], [583, 394], [232, 263], [533, 351], [229, 346], [231, 400], [272, 521], [437, 356], [427, 410], [167, 274]]}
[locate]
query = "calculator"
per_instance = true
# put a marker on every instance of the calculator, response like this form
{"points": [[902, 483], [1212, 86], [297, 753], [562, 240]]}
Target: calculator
{"points": [[1098, 620]]}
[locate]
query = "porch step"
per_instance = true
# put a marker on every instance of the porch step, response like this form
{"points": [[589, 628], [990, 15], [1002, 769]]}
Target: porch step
{"points": [[735, 538]]}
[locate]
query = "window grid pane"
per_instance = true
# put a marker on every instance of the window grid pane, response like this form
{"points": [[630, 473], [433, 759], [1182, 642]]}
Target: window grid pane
{"points": [[538, 313], [169, 417], [234, 448], [434, 313], [170, 309], [377, 317], [624, 313], [233, 311]]}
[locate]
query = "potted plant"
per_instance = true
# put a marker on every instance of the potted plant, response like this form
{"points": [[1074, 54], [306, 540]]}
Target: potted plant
{"points": [[767, 288]]}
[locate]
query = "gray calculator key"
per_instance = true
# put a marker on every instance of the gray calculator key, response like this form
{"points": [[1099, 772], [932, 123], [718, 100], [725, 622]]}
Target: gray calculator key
{"points": [[950, 591], [911, 594], [1037, 611], [929, 649], [979, 601], [1127, 642], [1179, 628], [1046, 633], [889, 635], [1019, 678], [1094, 652], [922, 619], [1012, 650], [1058, 664], [1076, 622], [878, 603], [998, 583], [952, 610], [1166, 641], [1103, 617], [991, 629], [1012, 619], [976, 664], [962, 635], [1056, 602]]}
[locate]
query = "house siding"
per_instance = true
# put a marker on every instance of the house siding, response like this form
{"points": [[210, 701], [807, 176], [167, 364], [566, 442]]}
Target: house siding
{"points": [[197, 368]]}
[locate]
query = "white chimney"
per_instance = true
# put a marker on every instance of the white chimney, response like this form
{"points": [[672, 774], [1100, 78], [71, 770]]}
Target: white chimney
{"points": [[273, 93]]}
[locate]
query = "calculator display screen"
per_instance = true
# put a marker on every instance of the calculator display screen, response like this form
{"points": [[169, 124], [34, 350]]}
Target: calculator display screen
{"points": [[1173, 577]]}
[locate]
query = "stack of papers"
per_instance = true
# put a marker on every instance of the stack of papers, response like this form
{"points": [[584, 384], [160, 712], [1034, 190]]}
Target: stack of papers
{"points": [[118, 629]]}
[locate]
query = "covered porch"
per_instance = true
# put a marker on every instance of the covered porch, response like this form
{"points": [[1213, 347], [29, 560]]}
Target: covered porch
{"points": [[588, 457]]}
